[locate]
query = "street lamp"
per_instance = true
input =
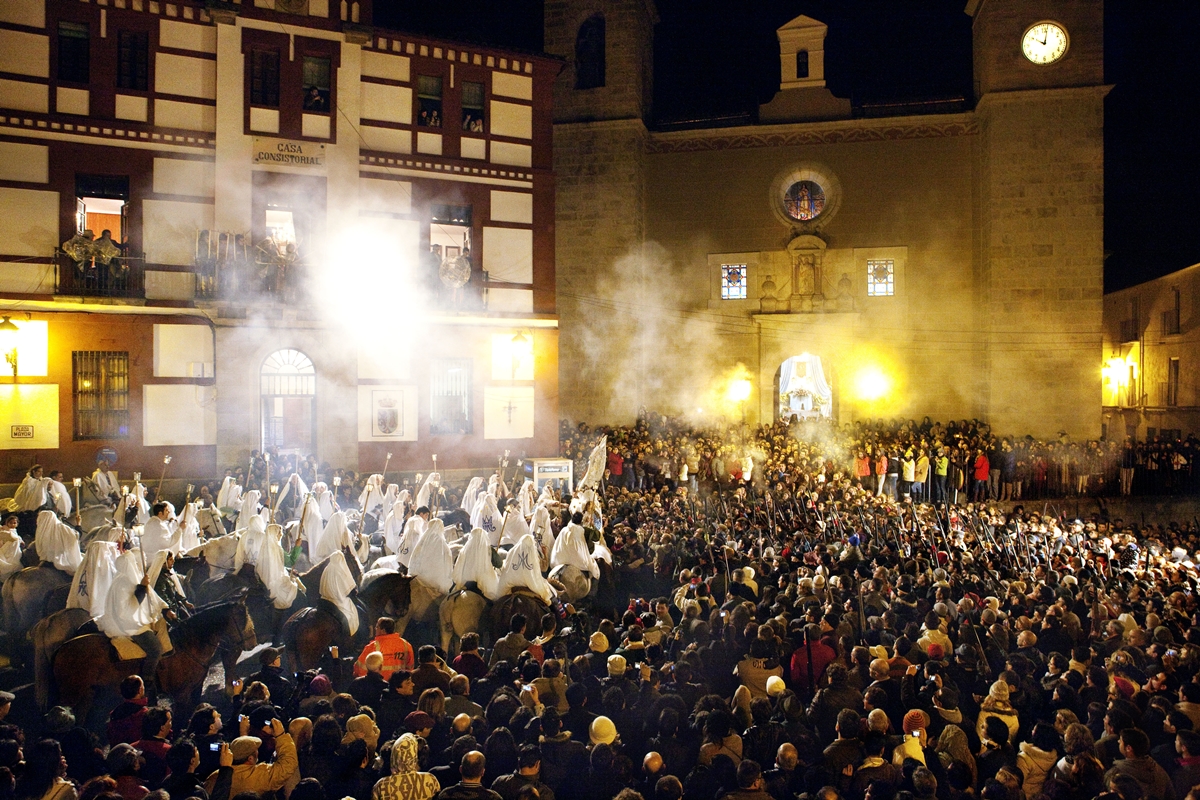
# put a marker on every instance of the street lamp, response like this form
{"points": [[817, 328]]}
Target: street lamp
{"points": [[8, 343]]}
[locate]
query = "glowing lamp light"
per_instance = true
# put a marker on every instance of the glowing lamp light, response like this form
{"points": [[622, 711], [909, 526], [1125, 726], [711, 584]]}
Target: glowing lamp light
{"points": [[871, 384], [8, 343], [739, 391]]}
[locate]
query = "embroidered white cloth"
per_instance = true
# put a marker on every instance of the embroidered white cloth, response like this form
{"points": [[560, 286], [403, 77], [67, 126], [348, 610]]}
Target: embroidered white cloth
{"points": [[409, 538], [57, 543], [124, 614], [475, 564], [431, 560], [487, 516], [571, 548], [336, 584], [522, 569], [89, 587]]}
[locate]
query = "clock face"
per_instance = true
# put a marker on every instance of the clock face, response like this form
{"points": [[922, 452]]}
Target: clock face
{"points": [[1045, 43]]}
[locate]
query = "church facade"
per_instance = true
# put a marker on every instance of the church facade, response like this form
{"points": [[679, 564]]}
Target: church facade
{"points": [[941, 264], [231, 226]]}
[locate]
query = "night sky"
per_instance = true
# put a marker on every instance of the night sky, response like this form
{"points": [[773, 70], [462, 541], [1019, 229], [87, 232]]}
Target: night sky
{"points": [[718, 60]]}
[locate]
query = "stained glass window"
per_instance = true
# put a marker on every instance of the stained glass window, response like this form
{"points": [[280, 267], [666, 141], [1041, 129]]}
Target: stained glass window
{"points": [[733, 281], [804, 200], [881, 278]]}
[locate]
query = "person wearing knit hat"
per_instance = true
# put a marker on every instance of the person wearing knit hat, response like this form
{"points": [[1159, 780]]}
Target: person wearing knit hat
{"points": [[775, 686], [913, 746], [996, 705], [915, 720], [616, 666], [598, 643], [936, 653], [602, 731]]}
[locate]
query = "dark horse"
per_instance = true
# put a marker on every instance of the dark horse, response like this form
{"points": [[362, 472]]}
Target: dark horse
{"points": [[89, 662]]}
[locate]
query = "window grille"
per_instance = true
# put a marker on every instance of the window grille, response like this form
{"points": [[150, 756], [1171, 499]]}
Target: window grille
{"points": [[881, 278], [101, 393], [288, 372], [133, 60], [450, 406], [316, 84], [429, 101], [74, 52], [1173, 382], [473, 118], [733, 281], [264, 78]]}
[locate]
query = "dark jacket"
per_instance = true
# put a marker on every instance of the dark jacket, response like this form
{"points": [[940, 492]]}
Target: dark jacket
{"points": [[507, 786], [1146, 771], [368, 689], [463, 791], [125, 722]]}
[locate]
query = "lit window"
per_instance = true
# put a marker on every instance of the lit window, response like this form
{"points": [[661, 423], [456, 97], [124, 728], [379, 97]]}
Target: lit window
{"points": [[881, 278], [450, 409], [429, 101], [316, 84], [101, 394], [733, 281], [281, 226], [472, 107]]}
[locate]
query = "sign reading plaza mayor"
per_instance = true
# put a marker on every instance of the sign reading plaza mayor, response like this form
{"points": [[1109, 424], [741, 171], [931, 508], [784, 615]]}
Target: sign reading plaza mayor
{"points": [[288, 152]]}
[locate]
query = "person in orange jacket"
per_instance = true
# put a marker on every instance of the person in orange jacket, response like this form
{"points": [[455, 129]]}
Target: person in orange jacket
{"points": [[397, 653]]}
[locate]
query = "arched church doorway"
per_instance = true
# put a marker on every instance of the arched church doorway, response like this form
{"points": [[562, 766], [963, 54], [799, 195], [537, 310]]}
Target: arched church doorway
{"points": [[802, 389], [288, 386]]}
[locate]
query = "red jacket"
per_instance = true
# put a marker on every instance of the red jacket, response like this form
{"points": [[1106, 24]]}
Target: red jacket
{"points": [[125, 722], [982, 467], [616, 464]]}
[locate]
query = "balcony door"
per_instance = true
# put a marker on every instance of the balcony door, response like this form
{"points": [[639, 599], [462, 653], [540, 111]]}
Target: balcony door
{"points": [[289, 398]]}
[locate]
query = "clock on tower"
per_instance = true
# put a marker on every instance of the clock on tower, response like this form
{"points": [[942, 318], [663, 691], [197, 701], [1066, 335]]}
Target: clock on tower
{"points": [[1045, 43]]}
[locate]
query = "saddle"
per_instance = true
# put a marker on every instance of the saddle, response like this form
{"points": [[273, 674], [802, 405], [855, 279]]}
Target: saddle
{"points": [[326, 607], [128, 650]]}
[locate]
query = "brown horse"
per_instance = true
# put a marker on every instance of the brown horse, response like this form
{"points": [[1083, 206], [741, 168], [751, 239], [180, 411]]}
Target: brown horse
{"points": [[518, 601], [89, 662], [28, 596]]}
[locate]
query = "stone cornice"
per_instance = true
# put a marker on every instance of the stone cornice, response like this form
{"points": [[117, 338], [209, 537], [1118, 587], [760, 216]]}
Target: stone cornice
{"points": [[1040, 95], [808, 133]]}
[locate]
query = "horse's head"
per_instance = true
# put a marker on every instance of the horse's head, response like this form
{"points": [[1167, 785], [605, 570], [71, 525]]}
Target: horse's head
{"points": [[238, 634]]}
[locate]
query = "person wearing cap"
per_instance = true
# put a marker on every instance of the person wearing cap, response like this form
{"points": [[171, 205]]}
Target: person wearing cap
{"points": [[510, 646], [602, 731], [270, 673], [396, 650], [915, 738], [124, 762], [470, 786], [597, 654], [249, 775]]}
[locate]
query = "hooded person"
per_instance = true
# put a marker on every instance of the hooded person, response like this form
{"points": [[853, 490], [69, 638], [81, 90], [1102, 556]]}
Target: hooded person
{"points": [[474, 566], [426, 495], [527, 498], [570, 549], [189, 527], [332, 539], [336, 585], [224, 499], [514, 526], [291, 499], [409, 538], [393, 528], [249, 543], [522, 570], [89, 587], [487, 516], [57, 542], [370, 499], [32, 494], [431, 560], [60, 496], [141, 504], [10, 552], [132, 608], [325, 502], [105, 480], [391, 496], [406, 782], [542, 531], [471, 494], [273, 572], [248, 509], [166, 584], [311, 522]]}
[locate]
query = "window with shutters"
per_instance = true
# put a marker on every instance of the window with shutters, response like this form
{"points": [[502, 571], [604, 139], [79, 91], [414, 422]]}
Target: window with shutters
{"points": [[264, 78], [450, 403], [101, 392]]}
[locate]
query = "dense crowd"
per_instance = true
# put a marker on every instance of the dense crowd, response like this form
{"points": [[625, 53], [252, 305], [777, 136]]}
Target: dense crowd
{"points": [[786, 619]]}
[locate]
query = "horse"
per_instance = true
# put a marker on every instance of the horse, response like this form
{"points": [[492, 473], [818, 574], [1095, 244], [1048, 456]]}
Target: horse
{"points": [[576, 583], [25, 597], [518, 601], [89, 662], [462, 612]]}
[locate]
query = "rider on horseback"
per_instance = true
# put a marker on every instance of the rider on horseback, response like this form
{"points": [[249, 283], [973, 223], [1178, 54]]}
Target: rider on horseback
{"points": [[132, 609]]}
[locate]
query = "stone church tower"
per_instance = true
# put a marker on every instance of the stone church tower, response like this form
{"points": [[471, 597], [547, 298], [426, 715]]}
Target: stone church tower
{"points": [[1041, 205], [601, 103]]}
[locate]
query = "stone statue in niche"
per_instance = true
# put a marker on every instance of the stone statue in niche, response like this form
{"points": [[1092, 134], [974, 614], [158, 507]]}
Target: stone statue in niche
{"points": [[804, 281], [845, 300]]}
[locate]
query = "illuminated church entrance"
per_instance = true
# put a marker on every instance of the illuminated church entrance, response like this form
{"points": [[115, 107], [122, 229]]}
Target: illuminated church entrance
{"points": [[802, 389]]}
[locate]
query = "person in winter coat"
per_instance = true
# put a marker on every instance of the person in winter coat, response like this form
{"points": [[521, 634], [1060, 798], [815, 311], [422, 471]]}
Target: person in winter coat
{"points": [[1037, 757], [406, 782], [996, 705]]}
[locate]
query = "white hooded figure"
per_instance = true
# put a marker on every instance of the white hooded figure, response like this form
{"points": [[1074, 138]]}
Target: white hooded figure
{"points": [[336, 585], [542, 531], [370, 500], [409, 539], [160, 534], [143, 506], [189, 527], [471, 494], [474, 564], [249, 543], [124, 614], [426, 494], [522, 570], [311, 523], [431, 560], [106, 483], [391, 496], [60, 496], [393, 527], [571, 549], [10, 553], [89, 587], [280, 583], [295, 490], [223, 493], [249, 509], [600, 551], [324, 500], [547, 496], [57, 542], [487, 516], [333, 538], [527, 497], [157, 564], [514, 526], [31, 494]]}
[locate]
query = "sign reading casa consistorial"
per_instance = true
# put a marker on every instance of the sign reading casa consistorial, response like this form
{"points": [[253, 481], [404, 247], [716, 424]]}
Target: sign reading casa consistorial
{"points": [[288, 152]]}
